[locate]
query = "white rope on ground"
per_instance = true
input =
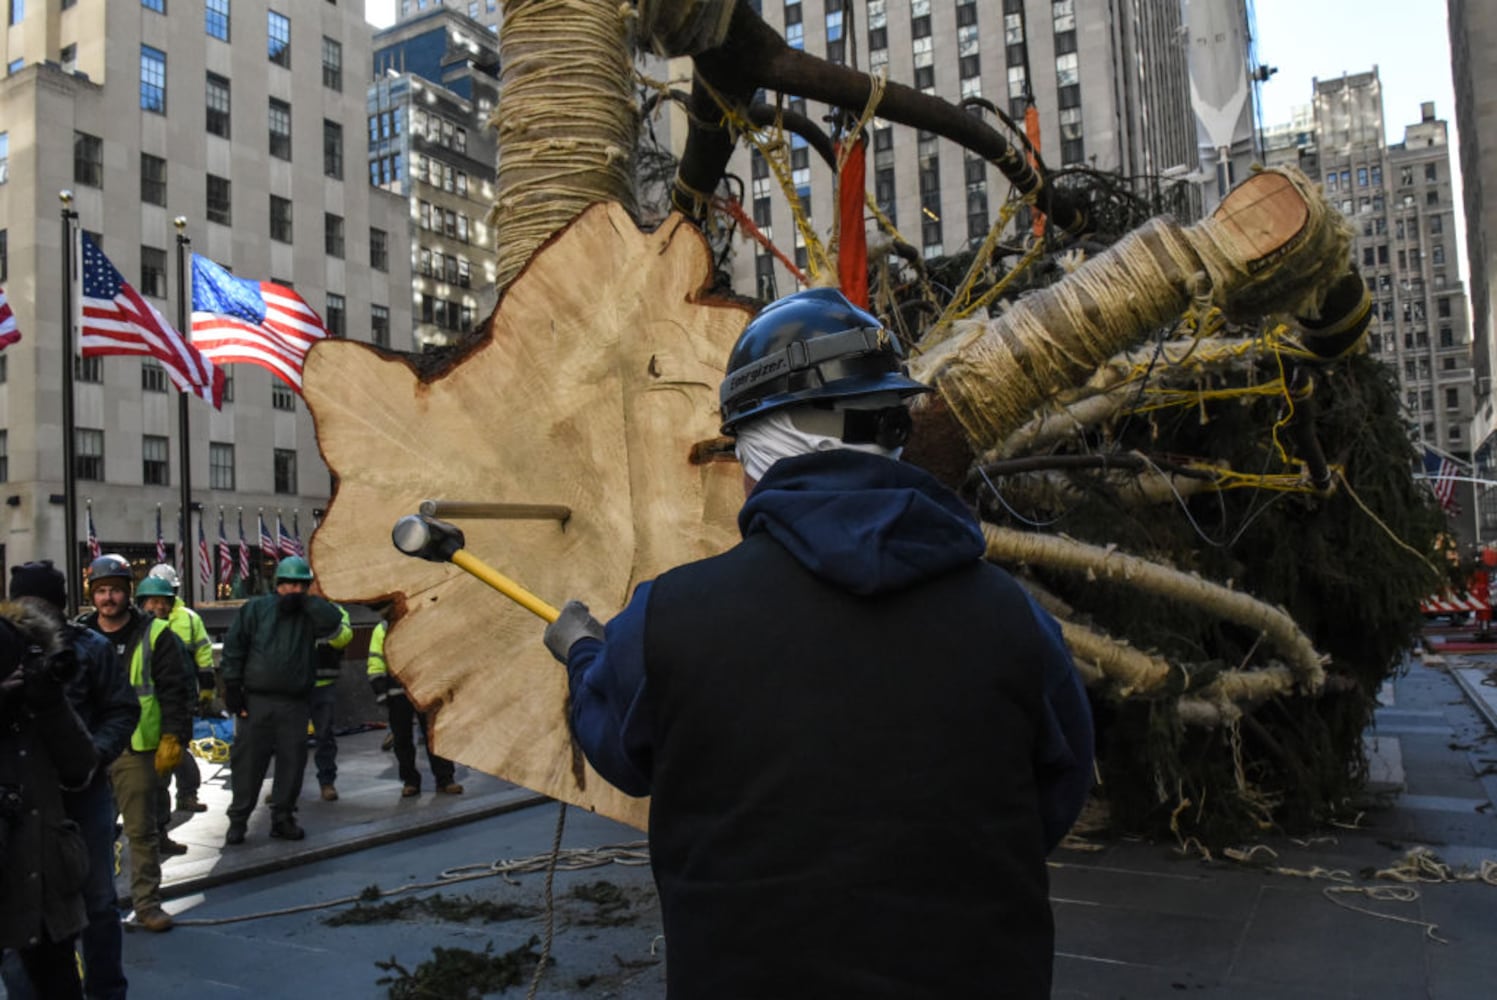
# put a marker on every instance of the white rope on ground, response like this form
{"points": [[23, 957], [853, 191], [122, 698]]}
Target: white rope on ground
{"points": [[633, 855], [1419, 865]]}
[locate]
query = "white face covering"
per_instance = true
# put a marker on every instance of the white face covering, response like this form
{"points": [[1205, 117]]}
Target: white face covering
{"points": [[763, 442]]}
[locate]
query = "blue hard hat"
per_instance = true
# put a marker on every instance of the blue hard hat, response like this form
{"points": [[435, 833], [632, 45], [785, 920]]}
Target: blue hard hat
{"points": [[811, 346]]}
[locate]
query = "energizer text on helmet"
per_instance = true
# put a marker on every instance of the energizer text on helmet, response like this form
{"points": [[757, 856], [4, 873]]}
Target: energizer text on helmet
{"points": [[763, 442], [828, 349]]}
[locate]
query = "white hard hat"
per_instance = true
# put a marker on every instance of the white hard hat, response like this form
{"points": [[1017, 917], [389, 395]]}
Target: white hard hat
{"points": [[167, 572]]}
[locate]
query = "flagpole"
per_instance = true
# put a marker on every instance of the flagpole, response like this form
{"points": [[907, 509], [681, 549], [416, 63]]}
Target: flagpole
{"points": [[184, 295], [69, 446]]}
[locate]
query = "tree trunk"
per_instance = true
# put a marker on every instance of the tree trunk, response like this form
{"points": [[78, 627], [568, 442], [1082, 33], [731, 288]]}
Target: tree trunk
{"points": [[567, 121]]}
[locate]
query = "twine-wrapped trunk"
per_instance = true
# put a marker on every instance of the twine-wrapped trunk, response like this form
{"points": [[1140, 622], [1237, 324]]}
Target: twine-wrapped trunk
{"points": [[1273, 246], [567, 121]]}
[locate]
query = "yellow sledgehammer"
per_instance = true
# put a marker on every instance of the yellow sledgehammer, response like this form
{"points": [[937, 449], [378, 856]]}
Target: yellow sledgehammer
{"points": [[426, 537]]}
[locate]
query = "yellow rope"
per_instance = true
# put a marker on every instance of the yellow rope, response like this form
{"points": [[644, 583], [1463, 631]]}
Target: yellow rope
{"points": [[1386, 530], [776, 152], [567, 124]]}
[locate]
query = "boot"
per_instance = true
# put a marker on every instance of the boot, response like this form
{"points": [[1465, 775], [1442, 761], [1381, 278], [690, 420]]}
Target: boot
{"points": [[155, 919], [236, 832], [169, 848], [329, 793], [451, 788], [286, 829], [190, 804]]}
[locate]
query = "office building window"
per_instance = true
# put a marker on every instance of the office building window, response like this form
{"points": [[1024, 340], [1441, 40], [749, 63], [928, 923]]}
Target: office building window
{"points": [[379, 326], [152, 79], [88, 160], [332, 149], [220, 466], [285, 470], [159, 6], [280, 219], [280, 129], [336, 318], [17, 11], [219, 209], [153, 272], [88, 454], [88, 369], [4, 157], [4, 256], [278, 35], [379, 249], [155, 467], [332, 234], [332, 64], [152, 179], [216, 18], [4, 454], [218, 105], [282, 396], [152, 375]]}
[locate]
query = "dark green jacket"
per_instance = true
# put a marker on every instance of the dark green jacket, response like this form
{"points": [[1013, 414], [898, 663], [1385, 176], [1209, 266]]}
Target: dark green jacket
{"points": [[268, 651]]}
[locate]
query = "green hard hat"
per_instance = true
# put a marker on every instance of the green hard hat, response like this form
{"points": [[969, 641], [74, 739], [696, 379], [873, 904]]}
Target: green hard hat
{"points": [[154, 586], [293, 568]]}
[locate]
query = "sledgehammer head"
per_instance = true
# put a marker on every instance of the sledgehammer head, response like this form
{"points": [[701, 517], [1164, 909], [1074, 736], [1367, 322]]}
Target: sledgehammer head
{"points": [[426, 537]]}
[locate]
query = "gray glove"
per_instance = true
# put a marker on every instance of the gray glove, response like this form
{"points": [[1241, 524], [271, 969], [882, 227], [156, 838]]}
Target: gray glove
{"points": [[575, 622]]}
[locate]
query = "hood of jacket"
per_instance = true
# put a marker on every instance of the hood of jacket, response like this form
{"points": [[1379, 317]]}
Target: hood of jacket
{"points": [[867, 524]]}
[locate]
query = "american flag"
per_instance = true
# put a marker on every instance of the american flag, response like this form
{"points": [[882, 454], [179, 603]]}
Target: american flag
{"points": [[93, 536], [267, 543], [253, 322], [117, 320], [160, 542], [9, 333], [225, 554], [244, 559], [284, 545], [205, 562], [1440, 470]]}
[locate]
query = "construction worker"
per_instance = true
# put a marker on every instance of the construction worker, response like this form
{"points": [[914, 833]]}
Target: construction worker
{"points": [[269, 668], [325, 706], [832, 711], [157, 667], [102, 697], [402, 715], [158, 595]]}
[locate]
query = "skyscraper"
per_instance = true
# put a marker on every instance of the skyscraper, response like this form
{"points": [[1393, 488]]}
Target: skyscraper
{"points": [[435, 85], [240, 118], [1473, 52], [1109, 81], [1398, 199]]}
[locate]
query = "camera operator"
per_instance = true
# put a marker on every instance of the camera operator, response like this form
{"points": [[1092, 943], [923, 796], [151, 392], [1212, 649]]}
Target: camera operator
{"points": [[43, 747], [110, 710]]}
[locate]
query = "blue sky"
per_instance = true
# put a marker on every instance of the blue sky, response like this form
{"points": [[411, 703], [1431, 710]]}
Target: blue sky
{"points": [[1408, 41]]}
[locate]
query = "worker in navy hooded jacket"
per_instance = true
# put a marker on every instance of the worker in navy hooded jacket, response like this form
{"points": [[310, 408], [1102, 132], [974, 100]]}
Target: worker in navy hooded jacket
{"points": [[861, 739]]}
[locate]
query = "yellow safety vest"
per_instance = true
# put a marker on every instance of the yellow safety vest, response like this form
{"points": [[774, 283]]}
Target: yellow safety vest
{"points": [[147, 733]]}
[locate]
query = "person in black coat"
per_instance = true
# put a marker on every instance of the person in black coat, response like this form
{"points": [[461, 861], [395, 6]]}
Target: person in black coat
{"points": [[831, 711], [101, 695], [43, 748]]}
